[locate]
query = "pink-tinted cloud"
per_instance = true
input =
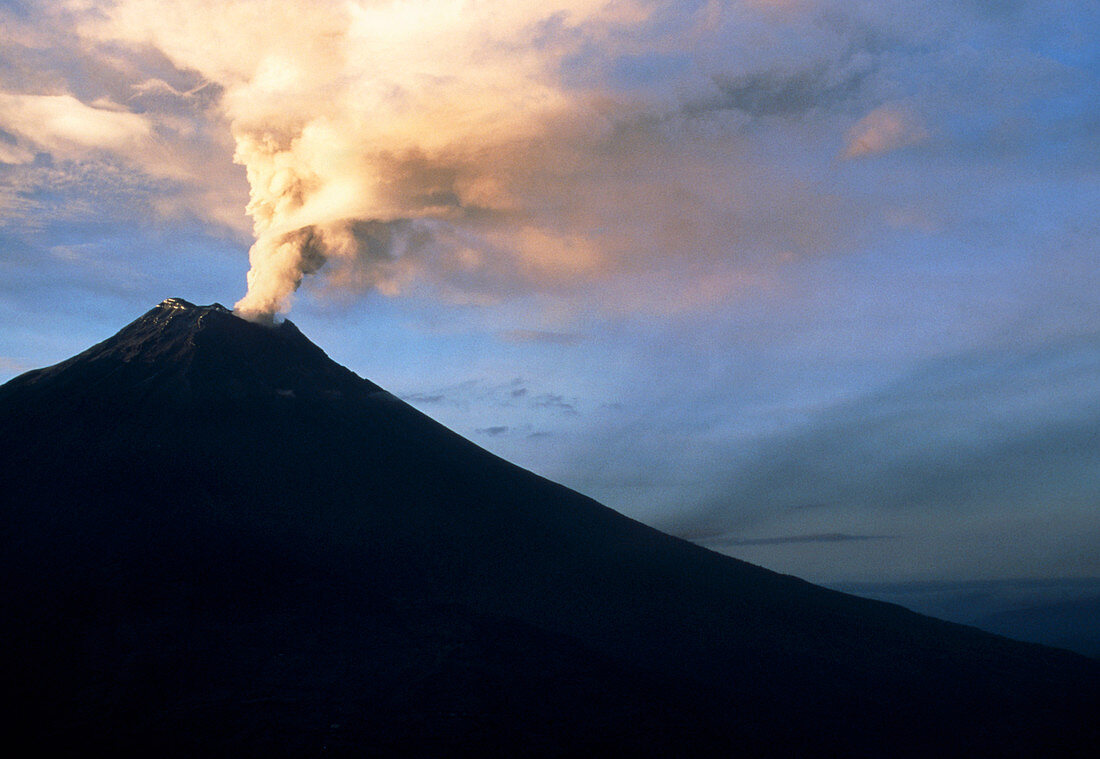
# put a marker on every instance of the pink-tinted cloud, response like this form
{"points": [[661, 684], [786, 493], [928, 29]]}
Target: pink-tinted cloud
{"points": [[486, 150], [64, 126], [479, 149], [883, 130]]}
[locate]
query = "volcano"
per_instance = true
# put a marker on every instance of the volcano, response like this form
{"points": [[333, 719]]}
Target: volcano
{"points": [[218, 542]]}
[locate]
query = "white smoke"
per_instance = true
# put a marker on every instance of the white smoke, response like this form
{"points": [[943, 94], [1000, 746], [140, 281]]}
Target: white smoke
{"points": [[484, 146], [352, 115]]}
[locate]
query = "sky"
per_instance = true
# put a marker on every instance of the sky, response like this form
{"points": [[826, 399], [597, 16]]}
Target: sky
{"points": [[812, 283]]}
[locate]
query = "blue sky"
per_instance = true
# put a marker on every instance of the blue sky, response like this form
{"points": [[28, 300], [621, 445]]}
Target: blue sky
{"points": [[813, 283]]}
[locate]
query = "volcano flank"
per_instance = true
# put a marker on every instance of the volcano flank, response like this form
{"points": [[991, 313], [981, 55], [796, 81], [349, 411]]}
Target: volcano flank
{"points": [[217, 541]]}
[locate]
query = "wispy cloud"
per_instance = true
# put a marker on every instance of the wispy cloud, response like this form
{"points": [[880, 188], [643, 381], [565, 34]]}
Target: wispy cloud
{"points": [[425, 398], [541, 337], [964, 451], [555, 402], [493, 431], [826, 537], [513, 394], [65, 127], [659, 157]]}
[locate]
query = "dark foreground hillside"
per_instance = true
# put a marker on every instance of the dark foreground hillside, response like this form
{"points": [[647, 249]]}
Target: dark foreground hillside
{"points": [[218, 542]]}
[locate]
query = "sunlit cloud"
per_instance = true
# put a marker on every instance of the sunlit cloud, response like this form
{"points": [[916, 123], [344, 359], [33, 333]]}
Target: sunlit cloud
{"points": [[883, 130], [480, 151], [482, 148], [358, 118], [65, 127]]}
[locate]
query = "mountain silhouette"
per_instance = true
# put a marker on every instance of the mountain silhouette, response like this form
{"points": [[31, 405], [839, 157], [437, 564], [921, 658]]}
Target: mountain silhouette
{"points": [[216, 541]]}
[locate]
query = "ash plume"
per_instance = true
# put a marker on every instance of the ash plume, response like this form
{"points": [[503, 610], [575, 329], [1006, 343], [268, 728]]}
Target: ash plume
{"points": [[485, 149], [383, 131]]}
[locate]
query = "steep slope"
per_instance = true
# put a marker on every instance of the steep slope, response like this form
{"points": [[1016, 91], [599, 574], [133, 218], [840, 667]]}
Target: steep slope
{"points": [[218, 541]]}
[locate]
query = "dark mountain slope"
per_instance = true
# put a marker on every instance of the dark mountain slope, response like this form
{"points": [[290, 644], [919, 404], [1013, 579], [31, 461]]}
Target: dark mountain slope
{"points": [[218, 541]]}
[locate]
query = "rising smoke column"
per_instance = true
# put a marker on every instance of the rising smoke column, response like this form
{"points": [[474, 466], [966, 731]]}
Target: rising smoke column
{"points": [[379, 133], [390, 141], [492, 147]]}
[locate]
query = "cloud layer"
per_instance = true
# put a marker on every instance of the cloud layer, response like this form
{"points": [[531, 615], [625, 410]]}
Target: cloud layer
{"points": [[405, 140], [484, 150]]}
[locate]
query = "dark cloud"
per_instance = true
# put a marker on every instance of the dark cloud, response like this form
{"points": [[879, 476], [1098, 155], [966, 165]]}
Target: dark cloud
{"points": [[827, 537], [555, 402], [783, 93], [946, 448], [513, 397], [493, 431], [983, 457], [424, 398]]}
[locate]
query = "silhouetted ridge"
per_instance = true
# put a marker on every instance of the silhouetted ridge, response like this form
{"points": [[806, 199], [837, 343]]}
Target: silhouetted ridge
{"points": [[216, 541], [178, 349]]}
